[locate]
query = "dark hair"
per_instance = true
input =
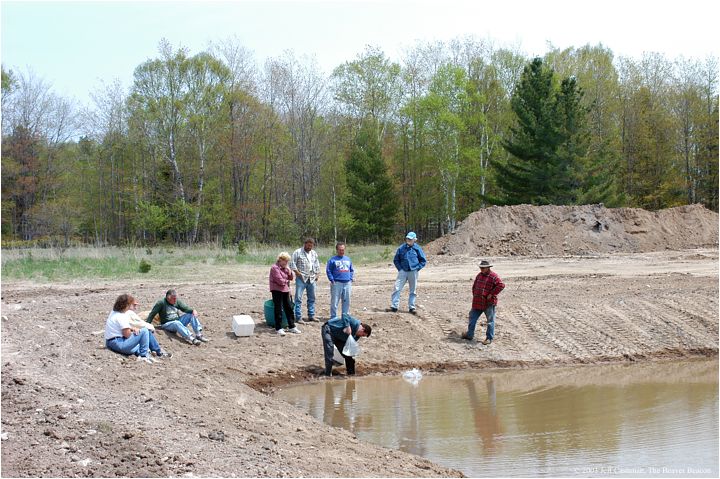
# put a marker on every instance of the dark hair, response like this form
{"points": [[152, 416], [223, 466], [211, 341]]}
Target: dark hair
{"points": [[339, 244], [367, 328], [309, 240], [170, 292], [122, 302]]}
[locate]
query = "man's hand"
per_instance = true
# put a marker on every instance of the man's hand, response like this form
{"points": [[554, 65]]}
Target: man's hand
{"points": [[347, 330], [194, 313]]}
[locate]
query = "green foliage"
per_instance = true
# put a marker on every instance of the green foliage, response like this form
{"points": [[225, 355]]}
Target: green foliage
{"points": [[242, 248], [151, 218], [547, 142], [371, 199], [145, 266], [282, 227], [368, 86], [195, 153]]}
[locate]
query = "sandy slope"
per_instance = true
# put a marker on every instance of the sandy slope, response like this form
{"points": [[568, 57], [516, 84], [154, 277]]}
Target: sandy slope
{"points": [[72, 408]]}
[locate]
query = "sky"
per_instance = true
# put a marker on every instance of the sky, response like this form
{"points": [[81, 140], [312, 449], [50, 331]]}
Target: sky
{"points": [[76, 46]]}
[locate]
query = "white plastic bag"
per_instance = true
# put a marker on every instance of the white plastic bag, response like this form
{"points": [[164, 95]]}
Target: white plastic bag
{"points": [[351, 348], [413, 376], [337, 357]]}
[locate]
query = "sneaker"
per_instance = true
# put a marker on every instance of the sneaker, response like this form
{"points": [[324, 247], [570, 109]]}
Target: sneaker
{"points": [[202, 338], [189, 340], [294, 330], [465, 336], [486, 341], [164, 354], [391, 310], [413, 311], [145, 359], [280, 332], [196, 342]]}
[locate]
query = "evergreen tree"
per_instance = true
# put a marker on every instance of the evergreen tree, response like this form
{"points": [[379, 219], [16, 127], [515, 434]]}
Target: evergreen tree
{"points": [[371, 201], [547, 140]]}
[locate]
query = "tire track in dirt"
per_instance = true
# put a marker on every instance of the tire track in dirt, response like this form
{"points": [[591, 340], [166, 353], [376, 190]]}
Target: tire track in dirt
{"points": [[588, 330], [553, 331], [678, 329], [518, 338], [692, 309]]}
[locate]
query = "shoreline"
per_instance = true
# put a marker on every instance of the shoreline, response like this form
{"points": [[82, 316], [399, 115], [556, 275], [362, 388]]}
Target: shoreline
{"points": [[269, 384]]}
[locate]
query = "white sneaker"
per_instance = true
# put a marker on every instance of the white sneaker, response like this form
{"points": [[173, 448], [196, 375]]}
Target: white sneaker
{"points": [[145, 359], [294, 330], [280, 332]]}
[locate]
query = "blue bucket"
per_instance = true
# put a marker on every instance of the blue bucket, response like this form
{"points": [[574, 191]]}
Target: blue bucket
{"points": [[270, 314]]}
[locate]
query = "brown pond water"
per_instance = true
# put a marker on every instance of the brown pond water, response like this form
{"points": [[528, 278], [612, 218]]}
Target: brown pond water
{"points": [[652, 419]]}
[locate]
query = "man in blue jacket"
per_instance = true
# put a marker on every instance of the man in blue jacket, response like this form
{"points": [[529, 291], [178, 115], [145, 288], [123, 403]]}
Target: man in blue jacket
{"points": [[340, 273], [336, 333], [409, 260]]}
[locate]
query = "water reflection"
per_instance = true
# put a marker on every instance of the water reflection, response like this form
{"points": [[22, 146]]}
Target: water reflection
{"points": [[484, 411], [628, 420]]}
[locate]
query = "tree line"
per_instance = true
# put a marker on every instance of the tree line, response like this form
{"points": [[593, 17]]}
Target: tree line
{"points": [[211, 147]]}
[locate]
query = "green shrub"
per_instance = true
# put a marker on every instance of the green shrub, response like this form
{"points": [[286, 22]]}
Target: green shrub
{"points": [[144, 266], [242, 248]]}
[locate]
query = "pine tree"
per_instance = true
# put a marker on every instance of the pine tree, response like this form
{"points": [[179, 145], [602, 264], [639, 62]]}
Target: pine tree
{"points": [[371, 201], [546, 142]]}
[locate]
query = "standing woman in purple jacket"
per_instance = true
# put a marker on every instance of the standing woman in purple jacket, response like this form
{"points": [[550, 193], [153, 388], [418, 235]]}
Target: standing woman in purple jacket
{"points": [[280, 277]]}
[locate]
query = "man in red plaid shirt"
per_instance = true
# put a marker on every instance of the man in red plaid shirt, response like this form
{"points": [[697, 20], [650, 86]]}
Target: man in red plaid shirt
{"points": [[485, 289]]}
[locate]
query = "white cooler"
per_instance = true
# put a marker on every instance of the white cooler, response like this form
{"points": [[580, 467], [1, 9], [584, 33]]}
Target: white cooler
{"points": [[243, 325]]}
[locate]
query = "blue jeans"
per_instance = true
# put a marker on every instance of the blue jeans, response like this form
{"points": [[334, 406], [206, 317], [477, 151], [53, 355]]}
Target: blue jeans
{"points": [[300, 287], [153, 344], [135, 344], [403, 277], [475, 315], [340, 291], [180, 326]]}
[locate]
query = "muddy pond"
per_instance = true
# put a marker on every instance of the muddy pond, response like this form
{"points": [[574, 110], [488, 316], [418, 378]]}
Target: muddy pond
{"points": [[655, 419]]}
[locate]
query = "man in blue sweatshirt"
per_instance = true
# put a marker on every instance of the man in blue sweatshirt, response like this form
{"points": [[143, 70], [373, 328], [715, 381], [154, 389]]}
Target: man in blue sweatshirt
{"points": [[336, 333], [340, 273], [409, 260]]}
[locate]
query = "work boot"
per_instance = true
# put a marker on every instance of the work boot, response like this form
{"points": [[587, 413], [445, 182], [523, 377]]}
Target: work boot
{"points": [[391, 310], [486, 341], [465, 336]]}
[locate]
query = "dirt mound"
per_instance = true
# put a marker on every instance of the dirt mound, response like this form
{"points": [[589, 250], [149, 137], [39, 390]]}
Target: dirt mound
{"points": [[578, 230]]}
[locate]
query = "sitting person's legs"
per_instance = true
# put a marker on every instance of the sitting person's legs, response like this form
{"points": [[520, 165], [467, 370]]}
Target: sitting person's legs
{"points": [[179, 328], [194, 323], [134, 344]]}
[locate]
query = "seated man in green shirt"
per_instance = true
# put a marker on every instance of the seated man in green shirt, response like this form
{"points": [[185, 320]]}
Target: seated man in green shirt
{"points": [[175, 317]]}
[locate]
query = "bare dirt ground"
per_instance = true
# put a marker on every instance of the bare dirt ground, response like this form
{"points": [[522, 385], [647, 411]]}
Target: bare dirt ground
{"points": [[72, 408]]}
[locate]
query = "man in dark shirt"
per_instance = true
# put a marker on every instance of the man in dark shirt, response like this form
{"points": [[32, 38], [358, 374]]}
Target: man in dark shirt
{"points": [[175, 317], [336, 333], [485, 289]]}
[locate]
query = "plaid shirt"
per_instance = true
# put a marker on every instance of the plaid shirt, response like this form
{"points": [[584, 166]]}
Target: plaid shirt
{"points": [[306, 263], [486, 284]]}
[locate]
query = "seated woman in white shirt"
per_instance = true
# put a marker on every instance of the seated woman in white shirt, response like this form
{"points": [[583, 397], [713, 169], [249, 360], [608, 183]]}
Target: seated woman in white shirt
{"points": [[122, 338], [137, 323]]}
